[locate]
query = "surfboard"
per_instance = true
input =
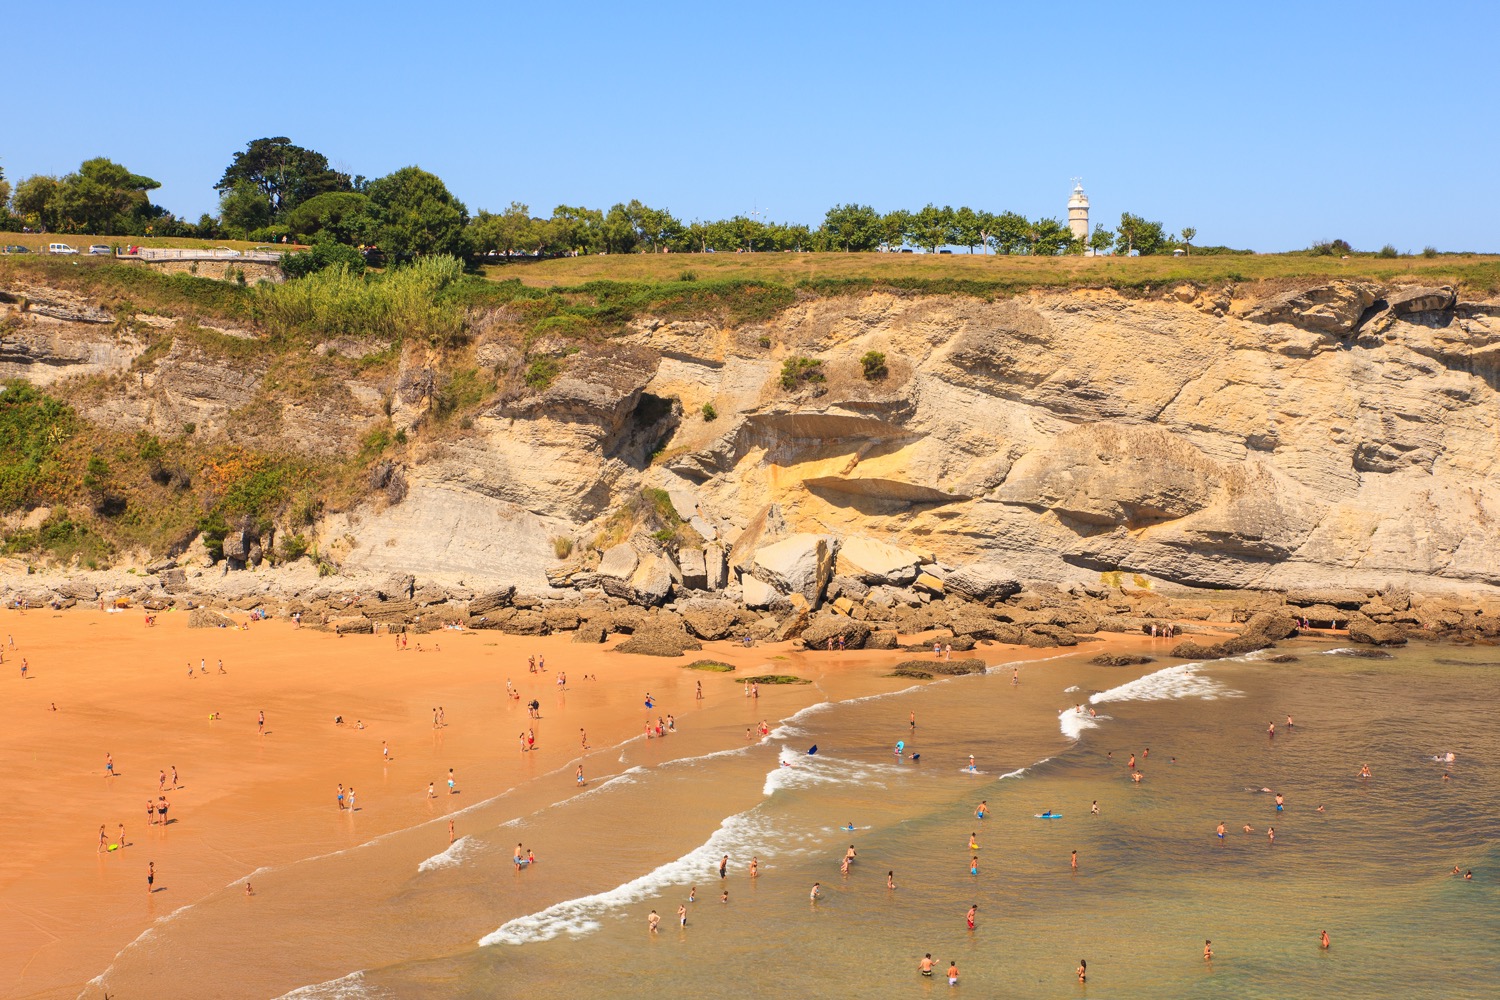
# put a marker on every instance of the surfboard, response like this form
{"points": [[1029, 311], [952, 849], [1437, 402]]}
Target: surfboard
{"points": [[1049, 816]]}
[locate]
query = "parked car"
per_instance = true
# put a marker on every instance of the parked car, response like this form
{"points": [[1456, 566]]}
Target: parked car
{"points": [[17, 249], [101, 249], [60, 248]]}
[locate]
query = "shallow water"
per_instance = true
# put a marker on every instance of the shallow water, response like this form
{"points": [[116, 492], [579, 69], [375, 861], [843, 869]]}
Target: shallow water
{"points": [[1153, 880]]}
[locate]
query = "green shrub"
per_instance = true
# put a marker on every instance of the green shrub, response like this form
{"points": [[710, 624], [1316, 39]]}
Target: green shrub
{"points": [[873, 363], [541, 372], [33, 429], [709, 413], [1388, 251], [688, 276], [293, 547], [320, 256], [562, 546], [799, 371], [764, 341], [1429, 252]]}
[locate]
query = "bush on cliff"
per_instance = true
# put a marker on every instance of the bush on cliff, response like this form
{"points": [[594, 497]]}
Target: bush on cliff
{"points": [[799, 371]]}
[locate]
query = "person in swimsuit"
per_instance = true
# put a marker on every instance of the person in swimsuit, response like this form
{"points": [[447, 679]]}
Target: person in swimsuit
{"points": [[1094, 809], [1323, 941], [150, 813], [1280, 802], [925, 966], [681, 915], [723, 865], [890, 879], [109, 765], [973, 842], [150, 877], [952, 973], [1074, 861], [984, 807], [1208, 950], [1364, 771], [1220, 833], [754, 867], [1083, 971], [974, 867], [973, 910], [652, 922], [817, 890]]}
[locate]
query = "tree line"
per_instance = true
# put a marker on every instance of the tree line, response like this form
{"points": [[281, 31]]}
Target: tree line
{"points": [[274, 191]]}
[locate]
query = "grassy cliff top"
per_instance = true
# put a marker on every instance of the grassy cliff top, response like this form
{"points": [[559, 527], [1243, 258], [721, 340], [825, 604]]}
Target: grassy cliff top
{"points": [[1476, 272]]}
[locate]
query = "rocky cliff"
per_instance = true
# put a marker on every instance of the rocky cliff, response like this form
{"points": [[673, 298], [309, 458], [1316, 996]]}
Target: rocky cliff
{"points": [[1337, 435]]}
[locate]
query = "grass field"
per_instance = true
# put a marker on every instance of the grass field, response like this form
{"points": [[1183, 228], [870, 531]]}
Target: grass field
{"points": [[1475, 272], [37, 242]]}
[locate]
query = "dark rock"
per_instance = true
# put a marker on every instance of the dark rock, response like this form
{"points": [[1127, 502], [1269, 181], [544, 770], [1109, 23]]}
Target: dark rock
{"points": [[204, 618], [987, 583], [709, 619], [1120, 660], [663, 635], [825, 627], [590, 632], [1362, 629], [491, 600], [946, 667], [881, 640]]}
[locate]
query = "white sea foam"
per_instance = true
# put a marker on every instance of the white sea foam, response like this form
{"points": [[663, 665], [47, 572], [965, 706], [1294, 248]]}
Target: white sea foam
{"points": [[1072, 724], [350, 987], [1070, 689], [800, 770], [738, 835], [456, 853], [1167, 684]]}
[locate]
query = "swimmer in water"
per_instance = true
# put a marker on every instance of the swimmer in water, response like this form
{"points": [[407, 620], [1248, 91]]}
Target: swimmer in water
{"points": [[1220, 833], [890, 879], [1083, 971], [925, 966], [984, 808], [1208, 951], [1364, 770], [973, 842], [971, 762], [900, 747], [974, 868], [1323, 941], [1279, 802], [973, 911]]}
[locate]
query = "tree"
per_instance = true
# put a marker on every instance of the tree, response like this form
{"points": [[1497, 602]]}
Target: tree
{"points": [[4, 191], [932, 227], [893, 228], [414, 214], [341, 216], [1048, 237], [504, 233], [852, 227], [1188, 232], [1012, 233], [285, 173], [1101, 239], [656, 227], [244, 208], [968, 228], [618, 233], [578, 229], [1138, 234], [35, 201]]}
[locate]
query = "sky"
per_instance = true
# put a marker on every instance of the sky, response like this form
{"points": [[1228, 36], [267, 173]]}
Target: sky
{"points": [[1267, 126]]}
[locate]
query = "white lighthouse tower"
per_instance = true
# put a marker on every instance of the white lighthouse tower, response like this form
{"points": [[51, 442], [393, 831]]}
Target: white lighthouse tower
{"points": [[1078, 212]]}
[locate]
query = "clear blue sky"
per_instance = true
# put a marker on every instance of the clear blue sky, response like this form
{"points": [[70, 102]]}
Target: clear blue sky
{"points": [[1266, 125]]}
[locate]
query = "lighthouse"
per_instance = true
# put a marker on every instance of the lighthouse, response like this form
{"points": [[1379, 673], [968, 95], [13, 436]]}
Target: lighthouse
{"points": [[1078, 212]]}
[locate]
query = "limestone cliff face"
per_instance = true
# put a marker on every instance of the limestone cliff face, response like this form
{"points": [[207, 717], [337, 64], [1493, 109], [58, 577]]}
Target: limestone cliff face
{"points": [[1337, 435]]}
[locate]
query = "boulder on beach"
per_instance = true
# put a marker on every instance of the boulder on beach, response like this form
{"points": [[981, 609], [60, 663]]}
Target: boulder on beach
{"points": [[827, 627]]}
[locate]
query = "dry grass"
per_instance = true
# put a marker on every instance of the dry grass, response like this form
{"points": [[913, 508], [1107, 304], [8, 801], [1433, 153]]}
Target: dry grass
{"points": [[1474, 271]]}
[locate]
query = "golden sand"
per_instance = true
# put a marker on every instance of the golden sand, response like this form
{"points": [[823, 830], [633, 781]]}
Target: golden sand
{"points": [[244, 800]]}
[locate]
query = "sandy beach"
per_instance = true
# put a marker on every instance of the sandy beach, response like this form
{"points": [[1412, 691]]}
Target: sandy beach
{"points": [[245, 801]]}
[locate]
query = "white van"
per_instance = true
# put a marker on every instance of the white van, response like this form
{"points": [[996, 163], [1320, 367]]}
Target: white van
{"points": [[60, 248]]}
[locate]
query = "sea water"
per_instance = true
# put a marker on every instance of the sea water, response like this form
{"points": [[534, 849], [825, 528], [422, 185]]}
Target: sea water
{"points": [[1371, 867]]}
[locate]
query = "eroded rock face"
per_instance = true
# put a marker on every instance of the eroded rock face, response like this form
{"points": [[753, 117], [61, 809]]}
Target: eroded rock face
{"points": [[801, 564]]}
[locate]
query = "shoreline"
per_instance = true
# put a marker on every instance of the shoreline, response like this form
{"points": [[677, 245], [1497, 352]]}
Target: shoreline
{"points": [[249, 802]]}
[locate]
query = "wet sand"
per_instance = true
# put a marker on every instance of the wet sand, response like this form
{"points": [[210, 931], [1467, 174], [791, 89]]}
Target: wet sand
{"points": [[246, 801]]}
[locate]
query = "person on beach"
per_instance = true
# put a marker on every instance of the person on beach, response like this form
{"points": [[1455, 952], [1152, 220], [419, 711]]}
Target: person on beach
{"points": [[681, 915], [1094, 809], [1015, 676], [351, 798], [1271, 834], [1083, 971], [103, 842], [1131, 763], [122, 836], [1220, 832], [652, 922], [341, 798], [844, 867], [1208, 950], [723, 866], [754, 867], [24, 666], [1280, 802], [1074, 861], [913, 721], [579, 776], [693, 894], [952, 973], [973, 911], [851, 854], [451, 789], [817, 890], [1271, 728], [1323, 940], [974, 865], [174, 777], [724, 896], [925, 966], [450, 831], [261, 725], [1248, 829], [150, 877], [973, 841], [1364, 771], [890, 879], [699, 695], [385, 752], [1289, 722], [109, 765], [983, 810], [522, 737]]}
